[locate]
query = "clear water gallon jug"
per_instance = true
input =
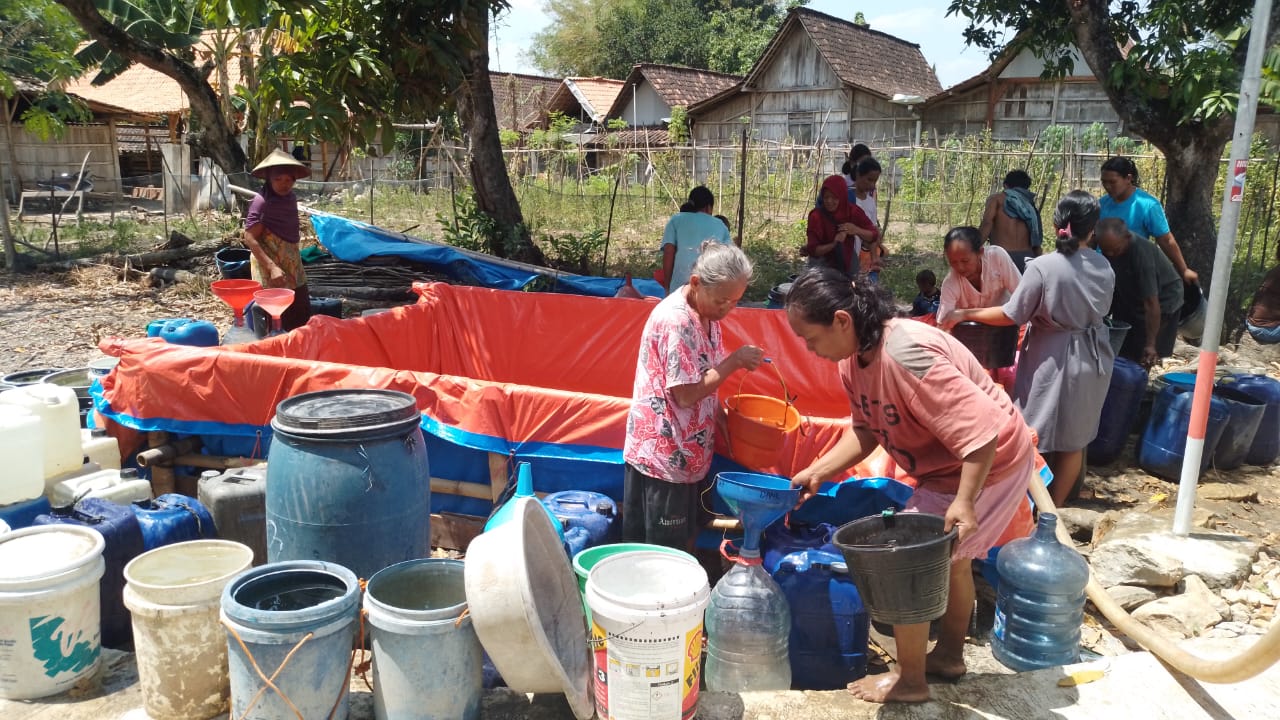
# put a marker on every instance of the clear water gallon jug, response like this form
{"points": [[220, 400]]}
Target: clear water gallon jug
{"points": [[1040, 601], [23, 477], [748, 623]]}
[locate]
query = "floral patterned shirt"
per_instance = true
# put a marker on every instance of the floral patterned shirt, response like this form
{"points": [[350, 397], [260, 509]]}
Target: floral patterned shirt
{"points": [[664, 440]]}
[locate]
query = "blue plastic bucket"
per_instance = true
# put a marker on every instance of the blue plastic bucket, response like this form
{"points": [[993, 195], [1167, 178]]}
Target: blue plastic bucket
{"points": [[1164, 442], [1266, 442], [306, 607], [233, 263], [347, 480], [1245, 415], [426, 657]]}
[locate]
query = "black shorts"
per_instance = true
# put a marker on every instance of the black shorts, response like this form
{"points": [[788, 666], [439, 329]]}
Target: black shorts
{"points": [[1020, 258], [658, 512]]}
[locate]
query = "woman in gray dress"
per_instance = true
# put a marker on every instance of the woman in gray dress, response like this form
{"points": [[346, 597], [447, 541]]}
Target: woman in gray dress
{"points": [[1066, 361]]}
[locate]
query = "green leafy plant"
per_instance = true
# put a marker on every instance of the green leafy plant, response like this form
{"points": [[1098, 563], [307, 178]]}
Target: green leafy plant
{"points": [[576, 252], [469, 228]]}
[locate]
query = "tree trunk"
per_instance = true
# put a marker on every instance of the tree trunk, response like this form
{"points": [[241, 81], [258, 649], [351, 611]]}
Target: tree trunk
{"points": [[1190, 199], [216, 138], [488, 168], [1192, 148]]}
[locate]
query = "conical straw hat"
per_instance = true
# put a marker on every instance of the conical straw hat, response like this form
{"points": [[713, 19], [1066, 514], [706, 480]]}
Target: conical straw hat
{"points": [[280, 158]]}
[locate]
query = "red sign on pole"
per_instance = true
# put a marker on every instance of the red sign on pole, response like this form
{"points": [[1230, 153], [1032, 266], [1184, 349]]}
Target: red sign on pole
{"points": [[1237, 180]]}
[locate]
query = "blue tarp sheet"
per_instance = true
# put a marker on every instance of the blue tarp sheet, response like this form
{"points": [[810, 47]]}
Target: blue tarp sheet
{"points": [[353, 241]]}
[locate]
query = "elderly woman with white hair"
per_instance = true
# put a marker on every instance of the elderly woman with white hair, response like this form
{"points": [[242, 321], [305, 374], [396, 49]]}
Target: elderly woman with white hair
{"points": [[671, 428]]}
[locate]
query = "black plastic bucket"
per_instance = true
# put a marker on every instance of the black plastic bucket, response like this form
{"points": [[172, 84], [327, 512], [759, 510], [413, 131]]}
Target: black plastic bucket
{"points": [[1119, 330], [995, 346], [778, 295], [233, 263], [901, 564]]}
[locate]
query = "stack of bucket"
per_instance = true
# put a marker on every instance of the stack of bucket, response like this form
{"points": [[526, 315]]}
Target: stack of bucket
{"points": [[1243, 424]]}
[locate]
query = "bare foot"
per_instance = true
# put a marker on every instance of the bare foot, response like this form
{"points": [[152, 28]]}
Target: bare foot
{"points": [[889, 687], [947, 667]]}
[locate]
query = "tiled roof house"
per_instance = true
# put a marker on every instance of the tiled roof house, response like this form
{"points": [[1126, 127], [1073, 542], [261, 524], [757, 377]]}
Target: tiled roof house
{"points": [[822, 79], [521, 101]]}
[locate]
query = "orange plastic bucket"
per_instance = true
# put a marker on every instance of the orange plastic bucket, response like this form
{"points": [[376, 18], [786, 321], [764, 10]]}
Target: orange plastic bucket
{"points": [[758, 426]]}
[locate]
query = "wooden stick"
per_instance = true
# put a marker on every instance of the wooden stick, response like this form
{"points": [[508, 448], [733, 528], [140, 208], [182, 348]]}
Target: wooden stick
{"points": [[162, 477], [742, 190], [608, 231]]}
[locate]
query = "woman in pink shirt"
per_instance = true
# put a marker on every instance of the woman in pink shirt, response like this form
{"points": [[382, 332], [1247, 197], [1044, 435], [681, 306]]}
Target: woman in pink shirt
{"points": [[671, 428], [981, 275], [921, 395]]}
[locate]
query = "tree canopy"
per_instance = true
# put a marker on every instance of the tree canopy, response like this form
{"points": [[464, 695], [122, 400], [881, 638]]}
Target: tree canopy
{"points": [[37, 44], [608, 37], [1171, 68]]}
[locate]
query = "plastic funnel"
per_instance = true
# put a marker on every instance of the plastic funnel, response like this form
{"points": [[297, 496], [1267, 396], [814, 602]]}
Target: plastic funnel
{"points": [[757, 500], [236, 293], [274, 300]]}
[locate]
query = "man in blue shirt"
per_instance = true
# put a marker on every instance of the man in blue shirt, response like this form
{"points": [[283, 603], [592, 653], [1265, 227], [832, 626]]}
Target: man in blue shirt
{"points": [[685, 232]]}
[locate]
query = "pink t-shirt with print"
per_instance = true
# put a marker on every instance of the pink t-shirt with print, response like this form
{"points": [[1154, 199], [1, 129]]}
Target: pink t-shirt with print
{"points": [[664, 440], [929, 404]]}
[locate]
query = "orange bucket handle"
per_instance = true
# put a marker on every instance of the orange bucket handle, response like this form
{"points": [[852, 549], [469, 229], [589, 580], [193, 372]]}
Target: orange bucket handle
{"points": [[786, 399]]}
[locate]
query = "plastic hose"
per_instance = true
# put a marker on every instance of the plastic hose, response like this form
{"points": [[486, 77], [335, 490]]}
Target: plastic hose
{"points": [[1257, 658]]}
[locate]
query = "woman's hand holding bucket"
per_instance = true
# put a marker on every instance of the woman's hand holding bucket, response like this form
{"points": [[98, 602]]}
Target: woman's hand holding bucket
{"points": [[747, 357], [962, 516]]}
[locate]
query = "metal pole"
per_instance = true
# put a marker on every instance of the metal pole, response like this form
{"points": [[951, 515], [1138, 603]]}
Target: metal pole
{"points": [[1232, 197]]}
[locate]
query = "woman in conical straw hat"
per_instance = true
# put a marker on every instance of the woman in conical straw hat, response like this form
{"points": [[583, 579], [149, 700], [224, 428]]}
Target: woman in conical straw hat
{"points": [[271, 233]]}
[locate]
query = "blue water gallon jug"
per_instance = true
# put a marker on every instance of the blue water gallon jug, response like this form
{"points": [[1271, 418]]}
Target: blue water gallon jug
{"points": [[1244, 417], [748, 625], [1265, 447], [185, 331], [1164, 441], [347, 480], [593, 512], [1040, 602], [782, 539], [829, 625], [119, 527], [1119, 410], [23, 514], [173, 518]]}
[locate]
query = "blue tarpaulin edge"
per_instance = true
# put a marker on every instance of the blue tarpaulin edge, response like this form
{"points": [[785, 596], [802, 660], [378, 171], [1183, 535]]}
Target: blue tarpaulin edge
{"points": [[353, 241]]}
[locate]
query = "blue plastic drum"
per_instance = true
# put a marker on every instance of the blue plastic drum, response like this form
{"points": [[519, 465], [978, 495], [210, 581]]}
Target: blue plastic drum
{"points": [[347, 480]]}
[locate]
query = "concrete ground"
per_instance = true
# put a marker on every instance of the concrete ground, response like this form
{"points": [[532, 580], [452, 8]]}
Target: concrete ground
{"points": [[1135, 686]]}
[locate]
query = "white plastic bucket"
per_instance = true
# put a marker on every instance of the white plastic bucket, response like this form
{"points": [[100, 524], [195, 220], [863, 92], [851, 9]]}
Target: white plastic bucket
{"points": [[49, 610], [59, 413], [173, 594], [427, 662], [648, 606]]}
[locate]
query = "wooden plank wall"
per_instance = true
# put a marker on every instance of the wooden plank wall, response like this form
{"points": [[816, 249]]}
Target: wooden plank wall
{"points": [[37, 159]]}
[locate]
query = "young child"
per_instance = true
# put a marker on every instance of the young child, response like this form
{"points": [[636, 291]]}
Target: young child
{"points": [[927, 301]]}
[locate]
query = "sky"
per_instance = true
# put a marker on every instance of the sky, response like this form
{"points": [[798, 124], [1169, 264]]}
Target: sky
{"points": [[923, 22]]}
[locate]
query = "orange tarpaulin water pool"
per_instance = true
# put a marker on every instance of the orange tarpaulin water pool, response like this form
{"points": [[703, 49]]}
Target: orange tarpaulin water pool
{"points": [[531, 374]]}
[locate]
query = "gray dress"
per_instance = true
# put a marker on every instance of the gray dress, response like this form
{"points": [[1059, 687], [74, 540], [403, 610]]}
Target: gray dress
{"points": [[1066, 361]]}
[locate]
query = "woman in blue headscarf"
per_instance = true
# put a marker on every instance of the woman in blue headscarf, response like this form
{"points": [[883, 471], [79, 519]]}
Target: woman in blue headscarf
{"points": [[271, 232]]}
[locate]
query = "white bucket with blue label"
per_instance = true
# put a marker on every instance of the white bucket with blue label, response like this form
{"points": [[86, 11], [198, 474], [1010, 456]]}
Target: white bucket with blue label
{"points": [[50, 616]]}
